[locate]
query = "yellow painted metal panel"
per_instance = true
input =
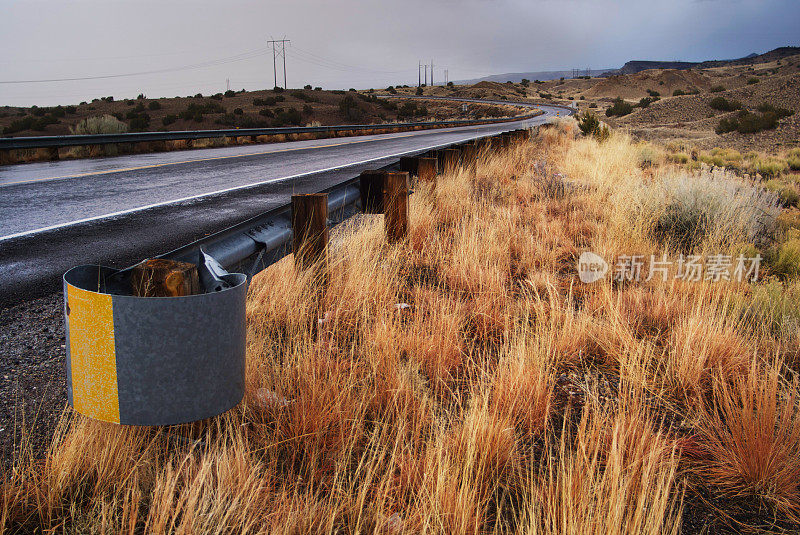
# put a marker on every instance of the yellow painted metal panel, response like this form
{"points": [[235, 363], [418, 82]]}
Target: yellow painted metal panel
{"points": [[92, 355]]}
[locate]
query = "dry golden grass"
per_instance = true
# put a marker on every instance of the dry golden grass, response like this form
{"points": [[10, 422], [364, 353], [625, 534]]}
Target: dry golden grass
{"points": [[467, 382]]}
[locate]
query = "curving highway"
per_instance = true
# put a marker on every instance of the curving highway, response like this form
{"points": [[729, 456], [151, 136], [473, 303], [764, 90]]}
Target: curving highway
{"points": [[118, 210]]}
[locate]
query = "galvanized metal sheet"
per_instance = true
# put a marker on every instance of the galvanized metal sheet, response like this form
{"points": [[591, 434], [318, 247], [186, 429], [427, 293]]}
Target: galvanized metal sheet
{"points": [[152, 361]]}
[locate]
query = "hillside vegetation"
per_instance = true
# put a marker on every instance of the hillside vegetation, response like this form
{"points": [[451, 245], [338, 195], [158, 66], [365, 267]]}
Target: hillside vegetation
{"points": [[465, 381]]}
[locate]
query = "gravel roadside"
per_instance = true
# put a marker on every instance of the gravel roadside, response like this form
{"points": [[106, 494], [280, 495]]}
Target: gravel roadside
{"points": [[33, 391]]}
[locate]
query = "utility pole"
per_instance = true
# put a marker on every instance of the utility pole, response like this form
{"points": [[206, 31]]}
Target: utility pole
{"points": [[275, 54]]}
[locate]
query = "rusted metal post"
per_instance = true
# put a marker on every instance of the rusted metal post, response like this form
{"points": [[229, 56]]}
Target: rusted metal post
{"points": [[427, 169], [395, 201], [309, 228]]}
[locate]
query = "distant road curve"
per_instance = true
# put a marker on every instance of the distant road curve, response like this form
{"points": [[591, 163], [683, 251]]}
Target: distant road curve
{"points": [[117, 210]]}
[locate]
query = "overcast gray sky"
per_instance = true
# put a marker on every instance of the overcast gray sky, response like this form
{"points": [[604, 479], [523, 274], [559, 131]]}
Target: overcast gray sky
{"points": [[354, 43]]}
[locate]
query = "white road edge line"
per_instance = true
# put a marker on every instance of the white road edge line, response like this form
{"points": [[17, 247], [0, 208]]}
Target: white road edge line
{"points": [[228, 190]]}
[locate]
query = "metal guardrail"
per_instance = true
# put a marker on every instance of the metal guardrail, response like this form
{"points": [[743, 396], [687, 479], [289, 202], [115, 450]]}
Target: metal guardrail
{"points": [[37, 142]]}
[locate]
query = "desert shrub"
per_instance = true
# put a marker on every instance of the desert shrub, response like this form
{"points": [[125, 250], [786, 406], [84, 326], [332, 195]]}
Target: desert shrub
{"points": [[547, 96], [139, 108], [30, 123], [154, 105], [619, 108], [349, 108], [169, 119], [308, 110], [793, 159], [752, 81], [410, 109], [684, 211], [726, 125], [36, 111], [723, 104], [307, 87], [229, 93], [588, 123], [140, 123], [717, 89], [653, 93], [780, 113], [646, 101], [269, 101], [196, 111], [787, 193], [266, 112], [290, 116], [108, 99], [492, 111], [767, 166], [678, 93], [747, 122], [142, 97], [593, 105], [317, 88], [391, 90], [71, 110], [58, 111], [679, 158], [216, 96], [238, 111], [419, 91], [784, 259], [103, 124], [305, 97]]}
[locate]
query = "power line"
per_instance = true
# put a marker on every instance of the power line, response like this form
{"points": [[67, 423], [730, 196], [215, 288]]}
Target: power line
{"points": [[213, 63]]}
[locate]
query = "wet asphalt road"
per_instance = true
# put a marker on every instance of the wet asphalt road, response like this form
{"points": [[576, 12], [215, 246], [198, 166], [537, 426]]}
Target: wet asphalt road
{"points": [[116, 211]]}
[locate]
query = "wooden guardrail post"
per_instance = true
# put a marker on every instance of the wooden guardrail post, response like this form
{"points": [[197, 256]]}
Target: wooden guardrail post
{"points": [[158, 277], [372, 191], [309, 228], [409, 165], [395, 203], [427, 169]]}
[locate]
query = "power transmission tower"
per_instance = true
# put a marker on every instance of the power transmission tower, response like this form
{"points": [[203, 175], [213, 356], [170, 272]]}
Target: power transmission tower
{"points": [[275, 54]]}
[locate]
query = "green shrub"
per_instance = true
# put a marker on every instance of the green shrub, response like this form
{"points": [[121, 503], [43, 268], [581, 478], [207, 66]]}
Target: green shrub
{"points": [[784, 259], [142, 97], [140, 123], [307, 87], [723, 104], [154, 105], [593, 105], [304, 96], [653, 93], [680, 158], [216, 96], [288, 117], [619, 108], [196, 111], [36, 111], [752, 81], [238, 111], [646, 101], [793, 159], [419, 91], [269, 101], [717, 89], [788, 194], [168, 119], [678, 93], [766, 107], [588, 123], [308, 109], [103, 124], [391, 90], [230, 93], [768, 166], [266, 112], [317, 89]]}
